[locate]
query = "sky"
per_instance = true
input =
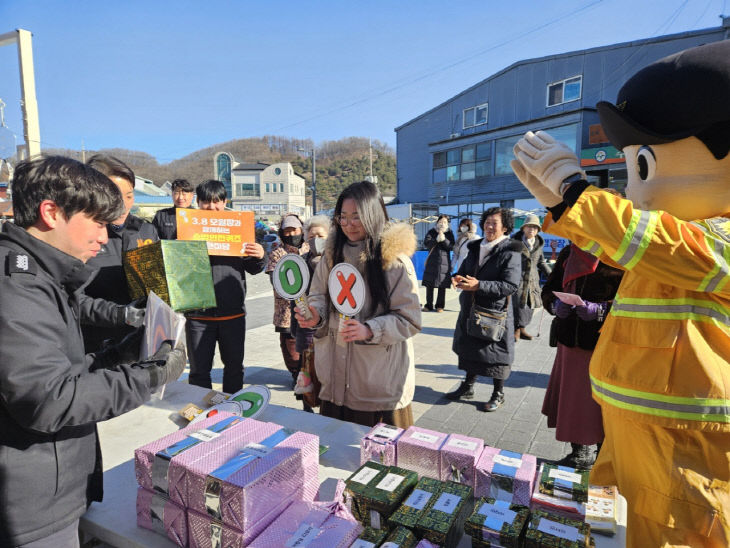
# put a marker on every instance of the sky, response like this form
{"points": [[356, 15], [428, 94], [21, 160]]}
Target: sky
{"points": [[171, 77]]}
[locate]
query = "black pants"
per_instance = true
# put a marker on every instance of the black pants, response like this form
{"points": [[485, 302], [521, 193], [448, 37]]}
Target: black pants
{"points": [[440, 297], [202, 336]]}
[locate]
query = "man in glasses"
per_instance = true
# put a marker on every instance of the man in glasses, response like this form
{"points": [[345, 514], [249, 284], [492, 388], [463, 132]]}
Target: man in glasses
{"points": [[165, 220]]}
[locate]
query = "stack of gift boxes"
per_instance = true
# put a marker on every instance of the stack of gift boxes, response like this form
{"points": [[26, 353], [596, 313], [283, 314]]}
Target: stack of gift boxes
{"points": [[234, 482], [424, 486]]}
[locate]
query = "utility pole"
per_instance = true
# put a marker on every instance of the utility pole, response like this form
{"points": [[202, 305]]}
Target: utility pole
{"points": [[83, 152], [313, 152], [371, 159]]}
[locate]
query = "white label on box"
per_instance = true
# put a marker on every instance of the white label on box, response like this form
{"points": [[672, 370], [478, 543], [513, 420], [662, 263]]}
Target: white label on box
{"points": [[360, 543], [447, 502], [385, 431], [374, 519], [504, 515], [418, 499], [565, 476], [257, 450], [463, 444], [507, 461], [204, 435], [365, 475], [303, 536], [389, 482], [428, 438], [560, 530]]}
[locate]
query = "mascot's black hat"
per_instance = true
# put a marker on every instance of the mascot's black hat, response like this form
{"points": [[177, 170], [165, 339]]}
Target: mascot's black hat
{"points": [[685, 94]]}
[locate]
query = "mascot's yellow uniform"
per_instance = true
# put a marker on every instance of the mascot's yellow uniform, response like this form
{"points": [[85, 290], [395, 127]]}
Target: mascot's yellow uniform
{"points": [[661, 370]]}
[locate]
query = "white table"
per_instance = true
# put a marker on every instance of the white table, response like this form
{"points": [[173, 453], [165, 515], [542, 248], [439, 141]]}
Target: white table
{"points": [[114, 521]]}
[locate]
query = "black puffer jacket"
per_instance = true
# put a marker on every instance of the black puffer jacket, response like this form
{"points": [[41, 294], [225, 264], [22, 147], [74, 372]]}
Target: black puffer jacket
{"points": [[437, 271], [498, 277], [51, 394], [110, 283], [165, 222], [601, 286]]}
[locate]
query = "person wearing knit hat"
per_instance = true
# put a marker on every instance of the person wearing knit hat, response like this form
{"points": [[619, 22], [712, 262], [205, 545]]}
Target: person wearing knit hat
{"points": [[527, 297]]}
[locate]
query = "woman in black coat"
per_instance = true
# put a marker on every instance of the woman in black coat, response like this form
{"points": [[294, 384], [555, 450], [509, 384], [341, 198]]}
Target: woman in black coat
{"points": [[437, 273], [489, 276]]}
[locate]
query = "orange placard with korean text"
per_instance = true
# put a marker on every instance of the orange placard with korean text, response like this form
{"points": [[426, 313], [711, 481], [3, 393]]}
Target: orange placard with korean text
{"points": [[226, 232]]}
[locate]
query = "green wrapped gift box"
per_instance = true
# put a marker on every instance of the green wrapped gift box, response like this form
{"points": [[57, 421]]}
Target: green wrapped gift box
{"points": [[402, 538], [418, 502], [545, 530], [177, 271], [376, 491], [443, 522], [497, 523], [370, 538], [564, 482]]}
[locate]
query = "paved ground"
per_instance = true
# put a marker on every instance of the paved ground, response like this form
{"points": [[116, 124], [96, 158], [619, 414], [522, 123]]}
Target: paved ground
{"points": [[517, 426]]}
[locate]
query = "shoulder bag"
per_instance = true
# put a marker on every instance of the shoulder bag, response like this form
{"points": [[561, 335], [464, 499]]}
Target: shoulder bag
{"points": [[487, 324]]}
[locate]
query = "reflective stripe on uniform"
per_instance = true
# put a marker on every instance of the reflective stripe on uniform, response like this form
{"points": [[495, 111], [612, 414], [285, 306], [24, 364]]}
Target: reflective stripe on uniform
{"points": [[720, 274], [636, 241], [593, 248], [675, 407], [672, 309]]}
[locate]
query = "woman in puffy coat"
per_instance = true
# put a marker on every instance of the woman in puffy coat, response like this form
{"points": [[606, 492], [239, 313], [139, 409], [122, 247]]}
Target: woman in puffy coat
{"points": [[488, 278], [437, 273], [369, 376]]}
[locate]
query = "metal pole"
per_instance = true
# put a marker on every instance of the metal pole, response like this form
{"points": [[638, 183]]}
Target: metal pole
{"points": [[314, 181], [27, 88]]}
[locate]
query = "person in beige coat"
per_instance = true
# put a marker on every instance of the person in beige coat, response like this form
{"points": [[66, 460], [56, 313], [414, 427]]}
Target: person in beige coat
{"points": [[371, 377]]}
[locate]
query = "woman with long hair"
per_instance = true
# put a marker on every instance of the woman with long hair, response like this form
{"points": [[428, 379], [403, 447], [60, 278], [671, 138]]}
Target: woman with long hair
{"points": [[370, 377]]}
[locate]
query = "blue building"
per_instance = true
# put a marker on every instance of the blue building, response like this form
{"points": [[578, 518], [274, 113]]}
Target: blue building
{"points": [[457, 154]]}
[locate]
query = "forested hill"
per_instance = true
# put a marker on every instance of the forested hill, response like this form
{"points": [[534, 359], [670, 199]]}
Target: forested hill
{"points": [[339, 163]]}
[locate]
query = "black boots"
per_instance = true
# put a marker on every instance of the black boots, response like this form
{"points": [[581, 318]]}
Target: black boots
{"points": [[581, 457], [494, 403], [465, 391]]}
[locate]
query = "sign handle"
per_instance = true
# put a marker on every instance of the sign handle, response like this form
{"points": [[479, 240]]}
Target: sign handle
{"points": [[302, 304], [341, 325]]}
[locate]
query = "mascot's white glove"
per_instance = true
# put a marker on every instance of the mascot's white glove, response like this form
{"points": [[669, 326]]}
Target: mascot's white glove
{"points": [[550, 161], [541, 193]]}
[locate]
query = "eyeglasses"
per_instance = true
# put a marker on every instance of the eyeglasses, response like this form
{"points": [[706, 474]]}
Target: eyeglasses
{"points": [[345, 220]]}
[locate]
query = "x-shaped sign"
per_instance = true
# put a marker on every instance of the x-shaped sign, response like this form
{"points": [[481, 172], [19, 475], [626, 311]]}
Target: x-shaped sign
{"points": [[346, 291]]}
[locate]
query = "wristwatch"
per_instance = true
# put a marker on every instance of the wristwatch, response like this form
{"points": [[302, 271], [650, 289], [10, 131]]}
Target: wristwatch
{"points": [[569, 181]]}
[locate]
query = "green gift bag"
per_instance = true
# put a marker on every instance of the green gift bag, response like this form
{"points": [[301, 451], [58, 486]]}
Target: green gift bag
{"points": [[177, 271]]}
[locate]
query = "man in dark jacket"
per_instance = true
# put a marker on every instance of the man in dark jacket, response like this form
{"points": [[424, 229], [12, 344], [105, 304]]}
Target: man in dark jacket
{"points": [[225, 324], [124, 233], [51, 394], [165, 220]]}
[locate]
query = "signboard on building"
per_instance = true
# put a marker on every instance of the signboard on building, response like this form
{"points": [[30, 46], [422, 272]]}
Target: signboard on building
{"points": [[226, 232], [601, 155]]}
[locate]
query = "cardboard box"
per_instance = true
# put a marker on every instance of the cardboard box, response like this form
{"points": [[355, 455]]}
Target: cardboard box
{"points": [[379, 445], [373, 502], [418, 450], [458, 458], [424, 494], [545, 530], [158, 513], [564, 482], [505, 475], [497, 523], [443, 522]]}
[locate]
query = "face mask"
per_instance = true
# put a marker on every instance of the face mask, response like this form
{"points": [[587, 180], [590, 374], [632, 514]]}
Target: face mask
{"points": [[463, 228], [293, 240], [317, 244]]}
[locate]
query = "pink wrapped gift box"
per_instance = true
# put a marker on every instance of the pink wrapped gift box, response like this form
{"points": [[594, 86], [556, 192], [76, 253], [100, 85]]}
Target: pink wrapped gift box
{"points": [[247, 486], [379, 445], [152, 461], [505, 475], [157, 512], [309, 524], [205, 532], [458, 457], [418, 450]]}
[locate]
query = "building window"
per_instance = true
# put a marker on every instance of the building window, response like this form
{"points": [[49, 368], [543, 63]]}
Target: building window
{"points": [[223, 171], [452, 173], [463, 164], [248, 189], [439, 175], [483, 168], [475, 116], [439, 159], [281, 187], [267, 187], [484, 150], [564, 91], [277, 171], [467, 154], [453, 156], [567, 135], [467, 171]]}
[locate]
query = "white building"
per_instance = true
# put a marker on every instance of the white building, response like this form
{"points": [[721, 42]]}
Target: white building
{"points": [[267, 190]]}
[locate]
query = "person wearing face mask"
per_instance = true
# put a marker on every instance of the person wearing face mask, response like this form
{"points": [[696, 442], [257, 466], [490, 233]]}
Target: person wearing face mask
{"points": [[291, 234], [527, 297], [467, 233], [437, 273], [317, 228]]}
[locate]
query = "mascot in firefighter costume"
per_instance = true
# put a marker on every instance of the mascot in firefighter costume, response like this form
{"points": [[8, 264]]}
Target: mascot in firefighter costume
{"points": [[661, 370]]}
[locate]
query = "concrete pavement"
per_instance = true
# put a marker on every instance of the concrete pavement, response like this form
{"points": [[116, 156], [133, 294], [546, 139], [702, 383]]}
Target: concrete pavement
{"points": [[518, 425]]}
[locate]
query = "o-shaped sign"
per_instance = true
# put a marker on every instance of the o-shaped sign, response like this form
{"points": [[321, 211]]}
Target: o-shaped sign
{"points": [[291, 277], [346, 288]]}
